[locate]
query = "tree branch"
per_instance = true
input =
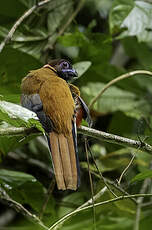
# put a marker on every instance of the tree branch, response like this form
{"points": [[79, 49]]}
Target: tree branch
{"points": [[18, 131], [19, 21], [100, 135], [108, 137]]}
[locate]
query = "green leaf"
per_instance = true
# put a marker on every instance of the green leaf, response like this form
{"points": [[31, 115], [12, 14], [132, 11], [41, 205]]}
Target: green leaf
{"points": [[76, 199], [98, 48], [16, 115], [73, 39], [142, 53], [82, 67], [14, 178], [98, 45], [24, 188], [119, 11], [142, 176], [134, 17], [115, 99], [58, 12], [14, 65], [11, 142]]}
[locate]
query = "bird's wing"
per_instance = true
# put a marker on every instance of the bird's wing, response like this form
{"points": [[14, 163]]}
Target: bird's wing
{"points": [[86, 115], [34, 103]]}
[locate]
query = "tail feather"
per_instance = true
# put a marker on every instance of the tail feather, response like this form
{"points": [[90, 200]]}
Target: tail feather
{"points": [[65, 158], [64, 161], [73, 162], [57, 163]]}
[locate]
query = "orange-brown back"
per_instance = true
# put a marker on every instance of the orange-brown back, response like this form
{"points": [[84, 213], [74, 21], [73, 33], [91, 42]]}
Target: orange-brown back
{"points": [[55, 95]]}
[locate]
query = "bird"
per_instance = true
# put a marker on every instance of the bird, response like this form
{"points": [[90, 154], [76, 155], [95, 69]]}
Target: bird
{"points": [[47, 91]]}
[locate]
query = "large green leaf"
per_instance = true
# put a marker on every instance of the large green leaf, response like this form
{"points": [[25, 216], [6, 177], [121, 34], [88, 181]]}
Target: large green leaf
{"points": [[58, 11], [29, 42], [16, 115], [142, 176], [119, 11], [24, 188], [13, 116], [11, 142], [98, 46], [82, 67], [58, 15], [14, 65], [14, 178], [115, 99], [141, 52], [134, 17]]}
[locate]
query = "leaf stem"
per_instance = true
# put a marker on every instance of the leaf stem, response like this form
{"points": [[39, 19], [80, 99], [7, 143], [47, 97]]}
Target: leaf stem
{"points": [[112, 82], [64, 218]]}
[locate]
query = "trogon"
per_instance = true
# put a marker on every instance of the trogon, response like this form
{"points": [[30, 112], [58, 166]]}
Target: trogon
{"points": [[60, 109]]}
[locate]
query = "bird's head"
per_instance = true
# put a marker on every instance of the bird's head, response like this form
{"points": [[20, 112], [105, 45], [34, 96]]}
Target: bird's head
{"points": [[64, 69]]}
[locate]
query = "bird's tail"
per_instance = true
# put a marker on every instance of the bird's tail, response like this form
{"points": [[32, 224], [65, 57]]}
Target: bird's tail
{"points": [[65, 161]]}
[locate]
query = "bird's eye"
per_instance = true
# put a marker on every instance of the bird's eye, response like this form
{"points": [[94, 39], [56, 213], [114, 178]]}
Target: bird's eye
{"points": [[65, 64]]}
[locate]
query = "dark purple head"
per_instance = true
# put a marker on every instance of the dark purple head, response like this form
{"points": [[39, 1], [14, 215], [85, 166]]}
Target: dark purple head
{"points": [[64, 69]]}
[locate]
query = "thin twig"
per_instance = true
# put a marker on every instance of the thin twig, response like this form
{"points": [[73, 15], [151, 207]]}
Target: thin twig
{"points": [[124, 76], [17, 206], [19, 21], [89, 202], [91, 184], [49, 192], [101, 176], [63, 219], [125, 170], [70, 19], [120, 189], [115, 186], [139, 204], [146, 204], [95, 197]]}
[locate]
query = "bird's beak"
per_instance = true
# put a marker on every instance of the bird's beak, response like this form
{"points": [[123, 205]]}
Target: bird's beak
{"points": [[72, 73]]}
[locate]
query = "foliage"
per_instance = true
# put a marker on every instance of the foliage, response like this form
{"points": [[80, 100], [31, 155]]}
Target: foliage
{"points": [[106, 39]]}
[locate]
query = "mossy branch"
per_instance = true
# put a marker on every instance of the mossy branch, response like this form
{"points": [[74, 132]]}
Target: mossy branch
{"points": [[100, 135]]}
